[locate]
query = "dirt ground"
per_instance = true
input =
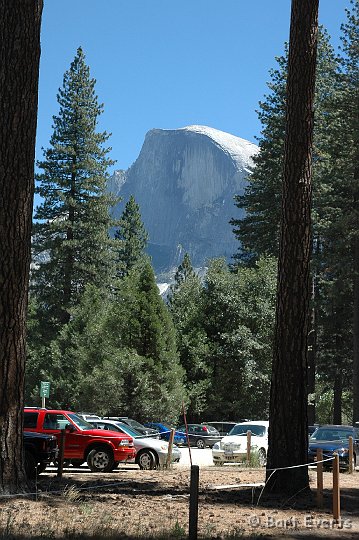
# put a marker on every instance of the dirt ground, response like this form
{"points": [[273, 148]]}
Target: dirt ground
{"points": [[130, 503]]}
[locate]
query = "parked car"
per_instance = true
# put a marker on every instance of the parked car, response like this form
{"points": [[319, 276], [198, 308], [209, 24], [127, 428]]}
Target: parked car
{"points": [[39, 451], [150, 452], [102, 451], [88, 416], [201, 435], [144, 430], [330, 439], [233, 447], [311, 429], [165, 430], [223, 427]]}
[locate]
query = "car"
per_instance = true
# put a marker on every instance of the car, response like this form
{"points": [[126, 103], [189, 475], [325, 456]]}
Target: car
{"points": [[150, 452], [39, 451], [224, 427], [144, 430], [233, 447], [102, 451], [88, 416], [311, 429], [165, 430], [200, 435], [334, 438]]}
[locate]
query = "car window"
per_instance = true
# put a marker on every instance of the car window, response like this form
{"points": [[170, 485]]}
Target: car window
{"points": [[80, 422], [255, 429], [128, 430], [50, 421], [134, 424], [30, 419], [55, 421], [327, 434]]}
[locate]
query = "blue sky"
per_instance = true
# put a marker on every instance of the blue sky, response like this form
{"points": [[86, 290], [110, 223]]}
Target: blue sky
{"points": [[168, 63]]}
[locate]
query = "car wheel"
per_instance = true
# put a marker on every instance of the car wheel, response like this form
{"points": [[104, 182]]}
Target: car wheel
{"points": [[262, 457], [200, 443], [146, 460], [100, 459], [30, 465]]}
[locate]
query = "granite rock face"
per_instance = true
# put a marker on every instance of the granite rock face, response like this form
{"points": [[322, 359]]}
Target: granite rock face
{"points": [[184, 181]]}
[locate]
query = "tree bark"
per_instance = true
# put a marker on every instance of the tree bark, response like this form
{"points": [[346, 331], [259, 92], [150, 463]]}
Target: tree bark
{"points": [[19, 66], [337, 401], [288, 439], [356, 324]]}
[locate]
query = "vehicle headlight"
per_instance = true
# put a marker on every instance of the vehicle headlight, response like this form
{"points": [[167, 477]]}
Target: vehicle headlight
{"points": [[216, 446], [341, 451]]}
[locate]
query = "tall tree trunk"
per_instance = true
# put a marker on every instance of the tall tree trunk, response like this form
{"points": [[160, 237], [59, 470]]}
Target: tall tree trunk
{"points": [[288, 400], [19, 66], [337, 402], [312, 354], [356, 329]]}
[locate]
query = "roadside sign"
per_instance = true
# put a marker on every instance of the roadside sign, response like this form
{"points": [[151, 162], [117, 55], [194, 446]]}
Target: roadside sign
{"points": [[44, 389]]}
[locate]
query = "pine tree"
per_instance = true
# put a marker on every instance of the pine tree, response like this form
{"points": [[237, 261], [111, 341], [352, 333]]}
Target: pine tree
{"points": [[238, 321], [186, 307], [342, 226], [132, 237], [184, 271], [71, 244], [288, 396], [258, 231], [143, 325], [20, 24]]}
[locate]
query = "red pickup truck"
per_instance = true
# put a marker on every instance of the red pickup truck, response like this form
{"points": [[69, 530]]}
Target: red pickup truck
{"points": [[102, 450]]}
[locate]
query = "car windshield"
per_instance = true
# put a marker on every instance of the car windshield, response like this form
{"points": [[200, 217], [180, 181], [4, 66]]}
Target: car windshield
{"points": [[80, 422], [129, 430], [255, 429], [328, 434], [134, 423], [211, 429], [162, 427]]}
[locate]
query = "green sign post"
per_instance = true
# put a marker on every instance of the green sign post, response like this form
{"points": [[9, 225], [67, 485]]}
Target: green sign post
{"points": [[44, 391]]}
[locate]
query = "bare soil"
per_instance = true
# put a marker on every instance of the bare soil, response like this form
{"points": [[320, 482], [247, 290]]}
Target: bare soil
{"points": [[131, 504]]}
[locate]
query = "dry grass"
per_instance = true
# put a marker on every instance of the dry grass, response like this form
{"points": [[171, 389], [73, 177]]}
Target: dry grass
{"points": [[133, 504]]}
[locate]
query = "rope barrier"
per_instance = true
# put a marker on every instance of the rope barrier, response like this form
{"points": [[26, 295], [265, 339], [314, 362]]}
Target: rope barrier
{"points": [[115, 484], [291, 467]]}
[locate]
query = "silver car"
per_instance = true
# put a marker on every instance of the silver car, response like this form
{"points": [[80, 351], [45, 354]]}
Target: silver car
{"points": [[150, 452]]}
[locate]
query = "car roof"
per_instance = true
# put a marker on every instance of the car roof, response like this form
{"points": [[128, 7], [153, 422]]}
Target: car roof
{"points": [[251, 422], [334, 426], [33, 409]]}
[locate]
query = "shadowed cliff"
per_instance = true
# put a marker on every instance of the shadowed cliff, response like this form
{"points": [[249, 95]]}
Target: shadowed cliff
{"points": [[184, 181]]}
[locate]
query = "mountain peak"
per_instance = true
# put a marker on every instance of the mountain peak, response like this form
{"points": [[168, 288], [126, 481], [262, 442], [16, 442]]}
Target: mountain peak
{"points": [[184, 181]]}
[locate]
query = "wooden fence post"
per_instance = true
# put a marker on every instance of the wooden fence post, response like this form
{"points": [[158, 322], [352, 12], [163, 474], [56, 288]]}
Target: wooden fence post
{"points": [[351, 455], [319, 477], [336, 489], [193, 503], [249, 436], [170, 446]]}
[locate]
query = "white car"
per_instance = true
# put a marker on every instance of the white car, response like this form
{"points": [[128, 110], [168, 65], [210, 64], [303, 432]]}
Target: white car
{"points": [[150, 452], [233, 447]]}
